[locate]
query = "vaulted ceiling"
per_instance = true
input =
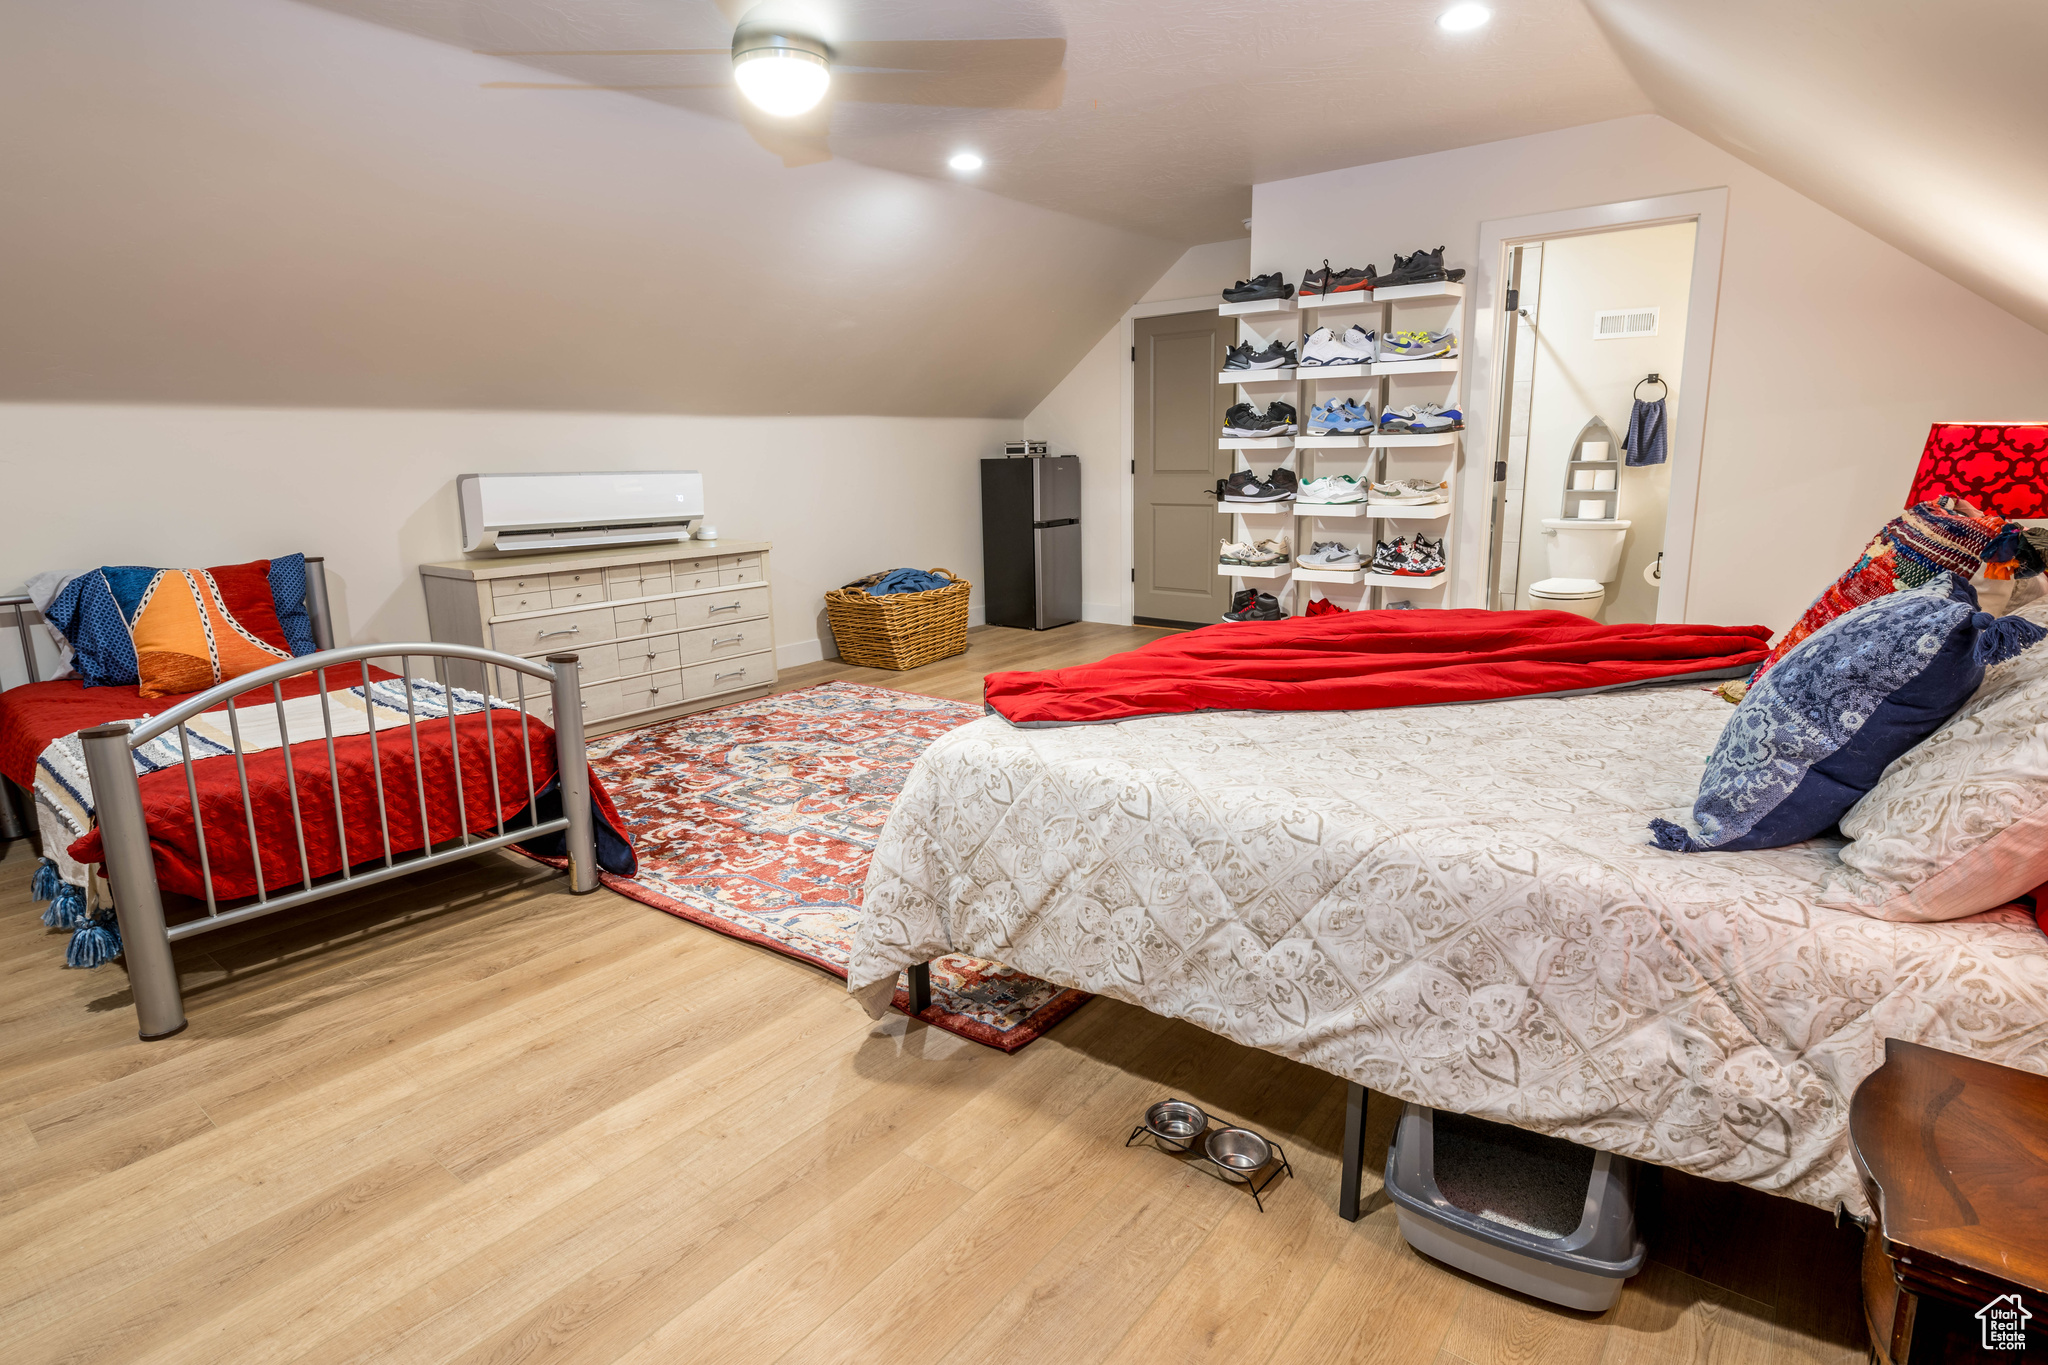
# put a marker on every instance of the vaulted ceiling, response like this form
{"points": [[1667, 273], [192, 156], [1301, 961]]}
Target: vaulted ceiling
{"points": [[561, 203]]}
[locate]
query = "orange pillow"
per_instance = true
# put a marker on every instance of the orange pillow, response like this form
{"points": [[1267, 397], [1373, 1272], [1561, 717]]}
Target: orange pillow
{"points": [[187, 638]]}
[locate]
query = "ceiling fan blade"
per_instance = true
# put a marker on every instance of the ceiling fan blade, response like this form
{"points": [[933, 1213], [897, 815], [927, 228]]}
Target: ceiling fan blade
{"points": [[951, 89], [607, 52], [977, 56]]}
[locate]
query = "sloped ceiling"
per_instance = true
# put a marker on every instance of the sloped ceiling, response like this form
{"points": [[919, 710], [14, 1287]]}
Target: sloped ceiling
{"points": [[1923, 123]]}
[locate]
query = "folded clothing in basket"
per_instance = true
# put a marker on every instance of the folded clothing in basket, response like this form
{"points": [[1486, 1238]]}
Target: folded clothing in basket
{"points": [[901, 580]]}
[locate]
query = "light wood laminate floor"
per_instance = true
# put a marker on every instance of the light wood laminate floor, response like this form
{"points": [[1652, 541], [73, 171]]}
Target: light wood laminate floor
{"points": [[471, 1118]]}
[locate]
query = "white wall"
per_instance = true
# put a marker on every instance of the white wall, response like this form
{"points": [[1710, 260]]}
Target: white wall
{"points": [[1576, 377], [1827, 367], [374, 491], [1084, 415]]}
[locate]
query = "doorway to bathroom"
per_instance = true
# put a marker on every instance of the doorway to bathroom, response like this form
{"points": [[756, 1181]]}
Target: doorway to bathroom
{"points": [[1592, 359]]}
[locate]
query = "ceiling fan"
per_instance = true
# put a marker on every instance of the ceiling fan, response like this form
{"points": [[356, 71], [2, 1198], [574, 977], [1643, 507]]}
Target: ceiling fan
{"points": [[790, 78]]}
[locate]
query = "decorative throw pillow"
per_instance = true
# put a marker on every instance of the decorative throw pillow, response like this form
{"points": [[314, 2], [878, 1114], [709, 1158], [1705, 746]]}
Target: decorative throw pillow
{"points": [[1816, 732], [288, 596], [1960, 823], [168, 631], [1928, 538]]}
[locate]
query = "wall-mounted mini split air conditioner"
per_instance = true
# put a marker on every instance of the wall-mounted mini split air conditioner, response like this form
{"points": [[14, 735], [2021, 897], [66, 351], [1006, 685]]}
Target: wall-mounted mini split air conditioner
{"points": [[510, 513]]}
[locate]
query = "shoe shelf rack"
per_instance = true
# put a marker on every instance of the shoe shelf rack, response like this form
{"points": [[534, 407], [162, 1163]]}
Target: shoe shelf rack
{"points": [[1381, 455]]}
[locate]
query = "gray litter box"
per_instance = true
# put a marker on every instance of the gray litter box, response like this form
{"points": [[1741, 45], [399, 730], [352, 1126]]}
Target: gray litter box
{"points": [[1536, 1214]]}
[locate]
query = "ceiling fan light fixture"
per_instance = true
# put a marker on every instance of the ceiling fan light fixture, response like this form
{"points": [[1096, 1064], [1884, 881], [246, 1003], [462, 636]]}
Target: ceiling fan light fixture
{"points": [[781, 74], [964, 161], [1463, 18]]}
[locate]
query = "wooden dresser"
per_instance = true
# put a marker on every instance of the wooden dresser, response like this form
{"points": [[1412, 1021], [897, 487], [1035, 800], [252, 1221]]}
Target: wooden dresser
{"points": [[661, 629]]}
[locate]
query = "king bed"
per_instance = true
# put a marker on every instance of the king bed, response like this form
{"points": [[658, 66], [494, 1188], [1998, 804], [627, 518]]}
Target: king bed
{"points": [[1453, 905]]}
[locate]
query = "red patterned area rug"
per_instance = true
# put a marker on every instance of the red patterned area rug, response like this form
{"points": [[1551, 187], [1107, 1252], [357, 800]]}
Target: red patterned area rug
{"points": [[758, 820]]}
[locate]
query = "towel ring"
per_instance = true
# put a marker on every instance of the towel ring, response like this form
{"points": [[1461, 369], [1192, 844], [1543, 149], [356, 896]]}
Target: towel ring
{"points": [[1652, 379]]}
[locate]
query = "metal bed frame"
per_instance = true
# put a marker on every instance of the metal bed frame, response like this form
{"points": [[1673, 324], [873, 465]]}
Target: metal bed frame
{"points": [[117, 795]]}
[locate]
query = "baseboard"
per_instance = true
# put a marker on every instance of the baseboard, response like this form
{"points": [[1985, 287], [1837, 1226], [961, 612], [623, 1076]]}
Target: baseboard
{"points": [[1104, 614]]}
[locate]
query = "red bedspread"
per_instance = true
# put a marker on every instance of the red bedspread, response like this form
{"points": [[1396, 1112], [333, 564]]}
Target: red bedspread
{"points": [[34, 715], [1360, 660]]}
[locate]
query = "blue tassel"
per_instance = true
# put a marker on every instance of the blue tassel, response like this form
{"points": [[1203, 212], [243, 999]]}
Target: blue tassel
{"points": [[46, 883], [95, 943], [1672, 838], [2003, 637], [67, 908], [2006, 545]]}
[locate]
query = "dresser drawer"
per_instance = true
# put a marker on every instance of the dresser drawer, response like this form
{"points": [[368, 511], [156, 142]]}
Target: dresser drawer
{"points": [[538, 600], [561, 632], [745, 573], [689, 577], [647, 619], [650, 655], [589, 594], [752, 561], [528, 586], [595, 663], [644, 694], [723, 642], [727, 675], [619, 587], [720, 608], [601, 700], [582, 578]]}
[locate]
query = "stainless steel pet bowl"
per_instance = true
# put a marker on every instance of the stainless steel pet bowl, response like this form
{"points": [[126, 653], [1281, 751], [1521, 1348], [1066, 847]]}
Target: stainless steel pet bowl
{"points": [[1240, 1152], [1176, 1121]]}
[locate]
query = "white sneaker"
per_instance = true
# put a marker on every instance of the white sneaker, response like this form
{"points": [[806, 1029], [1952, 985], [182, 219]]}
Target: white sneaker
{"points": [[1411, 492], [1331, 488], [1324, 347], [1329, 554]]}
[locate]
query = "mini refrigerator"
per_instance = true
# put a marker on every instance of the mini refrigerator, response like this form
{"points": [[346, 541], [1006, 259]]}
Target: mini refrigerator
{"points": [[1031, 541]]}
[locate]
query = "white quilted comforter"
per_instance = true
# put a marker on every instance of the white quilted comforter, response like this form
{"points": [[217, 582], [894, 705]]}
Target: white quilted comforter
{"points": [[1454, 905]]}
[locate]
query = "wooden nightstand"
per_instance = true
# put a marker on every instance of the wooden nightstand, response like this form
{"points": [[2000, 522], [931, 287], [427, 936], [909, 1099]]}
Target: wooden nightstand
{"points": [[1954, 1157]]}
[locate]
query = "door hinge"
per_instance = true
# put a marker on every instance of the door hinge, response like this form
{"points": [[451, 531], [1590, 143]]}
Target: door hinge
{"points": [[1134, 575], [1514, 300], [1134, 355], [1500, 471], [1134, 466]]}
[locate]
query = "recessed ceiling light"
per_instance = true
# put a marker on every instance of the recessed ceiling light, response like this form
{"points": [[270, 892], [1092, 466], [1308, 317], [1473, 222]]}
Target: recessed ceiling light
{"points": [[1464, 18], [965, 161], [781, 74]]}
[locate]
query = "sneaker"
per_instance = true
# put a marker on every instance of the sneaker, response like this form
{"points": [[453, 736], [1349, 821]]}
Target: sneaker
{"points": [[1352, 346], [1331, 489], [1246, 422], [1318, 283], [1263, 606], [1238, 357], [1273, 286], [1423, 267], [1329, 554], [1277, 355], [1323, 606], [1411, 492], [1245, 486], [1236, 552], [1418, 345], [1324, 417], [1428, 418], [1424, 559], [1241, 599], [1389, 558]]}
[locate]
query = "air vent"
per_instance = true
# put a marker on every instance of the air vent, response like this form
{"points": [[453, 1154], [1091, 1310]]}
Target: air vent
{"points": [[1625, 322]]}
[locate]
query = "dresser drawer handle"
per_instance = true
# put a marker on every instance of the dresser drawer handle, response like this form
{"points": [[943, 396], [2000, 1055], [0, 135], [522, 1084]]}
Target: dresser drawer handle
{"points": [[570, 631], [718, 678], [730, 606], [728, 640]]}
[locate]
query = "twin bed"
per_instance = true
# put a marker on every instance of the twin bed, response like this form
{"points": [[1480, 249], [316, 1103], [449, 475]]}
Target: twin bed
{"points": [[1453, 905]]}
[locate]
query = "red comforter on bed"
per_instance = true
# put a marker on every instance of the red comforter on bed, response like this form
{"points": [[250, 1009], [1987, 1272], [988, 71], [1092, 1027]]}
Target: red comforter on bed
{"points": [[1365, 659], [34, 715]]}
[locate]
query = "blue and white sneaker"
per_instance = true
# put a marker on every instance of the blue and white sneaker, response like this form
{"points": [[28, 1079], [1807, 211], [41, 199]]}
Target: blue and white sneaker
{"points": [[1357, 417], [1325, 418], [1428, 418], [1418, 345]]}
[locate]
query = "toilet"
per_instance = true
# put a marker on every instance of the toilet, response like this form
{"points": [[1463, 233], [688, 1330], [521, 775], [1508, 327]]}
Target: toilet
{"points": [[1585, 556]]}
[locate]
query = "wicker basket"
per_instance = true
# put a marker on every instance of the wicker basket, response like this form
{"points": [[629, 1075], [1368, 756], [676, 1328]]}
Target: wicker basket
{"points": [[902, 629]]}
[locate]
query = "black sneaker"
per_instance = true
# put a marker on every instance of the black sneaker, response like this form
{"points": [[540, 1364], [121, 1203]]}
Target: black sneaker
{"points": [[1247, 486], [1235, 413], [1319, 283], [1424, 267], [1273, 286], [1284, 414], [1238, 357], [1241, 599], [1262, 607], [1247, 423], [1277, 355]]}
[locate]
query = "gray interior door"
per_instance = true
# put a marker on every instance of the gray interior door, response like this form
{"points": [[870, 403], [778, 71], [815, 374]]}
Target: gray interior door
{"points": [[1178, 412]]}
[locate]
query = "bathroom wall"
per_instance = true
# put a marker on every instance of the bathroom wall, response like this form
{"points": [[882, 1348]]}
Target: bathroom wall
{"points": [[1575, 376]]}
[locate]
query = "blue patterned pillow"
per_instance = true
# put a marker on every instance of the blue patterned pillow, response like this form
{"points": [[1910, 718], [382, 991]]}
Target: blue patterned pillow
{"points": [[1818, 730], [288, 592]]}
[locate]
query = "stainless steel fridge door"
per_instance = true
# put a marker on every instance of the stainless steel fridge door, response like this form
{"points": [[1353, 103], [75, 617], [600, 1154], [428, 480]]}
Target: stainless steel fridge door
{"points": [[1057, 492], [1058, 555]]}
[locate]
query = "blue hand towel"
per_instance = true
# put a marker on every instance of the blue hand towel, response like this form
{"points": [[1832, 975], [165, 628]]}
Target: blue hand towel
{"points": [[1645, 440], [908, 580]]}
